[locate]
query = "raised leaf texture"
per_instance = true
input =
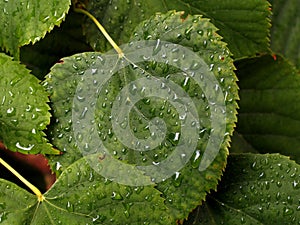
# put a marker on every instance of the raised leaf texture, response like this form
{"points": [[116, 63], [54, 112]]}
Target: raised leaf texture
{"points": [[200, 35], [285, 32], [17, 205], [26, 21], [255, 189], [24, 110], [187, 188], [60, 42], [243, 25], [81, 196], [269, 107]]}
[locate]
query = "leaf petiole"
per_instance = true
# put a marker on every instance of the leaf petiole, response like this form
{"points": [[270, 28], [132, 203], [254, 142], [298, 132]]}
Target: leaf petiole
{"points": [[103, 31], [34, 189]]}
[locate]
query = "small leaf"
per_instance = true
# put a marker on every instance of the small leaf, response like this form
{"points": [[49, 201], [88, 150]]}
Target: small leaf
{"points": [[269, 118], [62, 41], [285, 32], [82, 196], [28, 21], [243, 25], [24, 110], [255, 189]]}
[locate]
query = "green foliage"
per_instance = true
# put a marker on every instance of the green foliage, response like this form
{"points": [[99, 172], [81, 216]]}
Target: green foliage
{"points": [[285, 32], [244, 25], [257, 189], [218, 37], [269, 106], [28, 21], [82, 196], [63, 81], [24, 109]]}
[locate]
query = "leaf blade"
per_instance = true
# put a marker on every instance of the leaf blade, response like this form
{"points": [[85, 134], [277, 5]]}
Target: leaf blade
{"points": [[243, 25], [24, 112], [285, 32], [269, 118], [255, 189], [28, 21], [15, 204]]}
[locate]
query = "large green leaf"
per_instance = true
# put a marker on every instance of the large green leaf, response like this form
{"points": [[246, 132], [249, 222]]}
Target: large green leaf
{"points": [[81, 196], [26, 21], [24, 110], [243, 24], [255, 189], [207, 44], [269, 118], [285, 32], [74, 81]]}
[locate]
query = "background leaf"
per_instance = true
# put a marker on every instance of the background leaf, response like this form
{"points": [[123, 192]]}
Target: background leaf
{"points": [[63, 41], [255, 189], [244, 25], [285, 32], [269, 106], [28, 21], [81, 196], [24, 110]]}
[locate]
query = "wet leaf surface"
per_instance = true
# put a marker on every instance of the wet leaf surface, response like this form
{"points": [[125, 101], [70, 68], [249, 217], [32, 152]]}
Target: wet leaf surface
{"points": [[82, 196], [83, 84], [255, 189], [245, 35], [25, 22], [24, 112]]}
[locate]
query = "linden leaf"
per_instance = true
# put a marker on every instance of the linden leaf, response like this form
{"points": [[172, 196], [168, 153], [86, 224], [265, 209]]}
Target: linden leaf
{"points": [[269, 119], [81, 196], [24, 109], [243, 25], [163, 113], [255, 189], [26, 21], [285, 32], [199, 35]]}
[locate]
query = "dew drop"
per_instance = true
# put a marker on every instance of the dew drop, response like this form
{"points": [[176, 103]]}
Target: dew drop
{"points": [[243, 220], [279, 184], [116, 196], [58, 165], [177, 179], [287, 211], [296, 184], [83, 113], [157, 47], [25, 148], [94, 71], [188, 32], [70, 207], [278, 196], [3, 216], [75, 66], [11, 111]]}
